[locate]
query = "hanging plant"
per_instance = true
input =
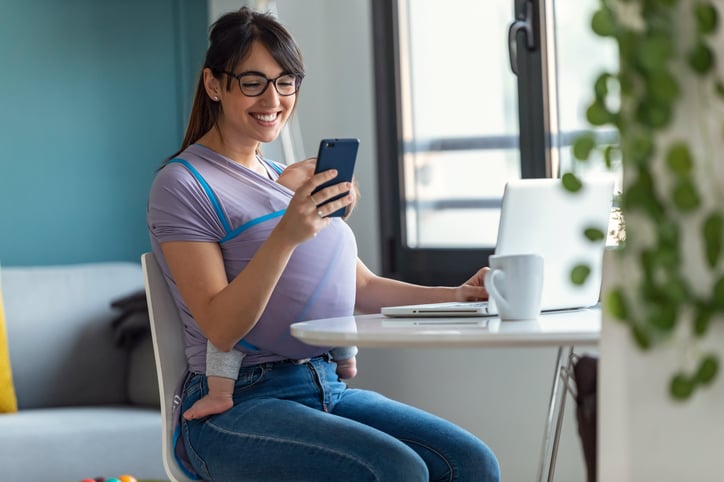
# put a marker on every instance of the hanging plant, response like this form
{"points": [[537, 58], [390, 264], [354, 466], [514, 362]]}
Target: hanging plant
{"points": [[662, 102]]}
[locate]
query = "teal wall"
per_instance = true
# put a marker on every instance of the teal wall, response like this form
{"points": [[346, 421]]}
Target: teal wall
{"points": [[94, 94]]}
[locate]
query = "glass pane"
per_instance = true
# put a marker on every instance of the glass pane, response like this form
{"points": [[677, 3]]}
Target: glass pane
{"points": [[582, 57], [460, 120]]}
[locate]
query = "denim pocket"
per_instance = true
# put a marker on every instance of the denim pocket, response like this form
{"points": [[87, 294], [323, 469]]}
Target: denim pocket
{"points": [[249, 377], [195, 387]]}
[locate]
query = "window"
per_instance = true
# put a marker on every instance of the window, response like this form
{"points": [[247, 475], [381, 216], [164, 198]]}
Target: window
{"points": [[455, 123]]}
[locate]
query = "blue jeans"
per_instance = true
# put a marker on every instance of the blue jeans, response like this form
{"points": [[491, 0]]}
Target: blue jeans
{"points": [[299, 422]]}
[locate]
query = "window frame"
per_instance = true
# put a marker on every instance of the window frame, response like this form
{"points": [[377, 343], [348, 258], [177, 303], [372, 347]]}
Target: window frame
{"points": [[452, 266]]}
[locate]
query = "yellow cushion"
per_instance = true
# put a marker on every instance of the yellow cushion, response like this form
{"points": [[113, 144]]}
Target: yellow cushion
{"points": [[8, 402]]}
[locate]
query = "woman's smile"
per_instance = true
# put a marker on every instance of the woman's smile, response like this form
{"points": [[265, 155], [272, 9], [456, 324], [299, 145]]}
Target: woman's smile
{"points": [[266, 118]]}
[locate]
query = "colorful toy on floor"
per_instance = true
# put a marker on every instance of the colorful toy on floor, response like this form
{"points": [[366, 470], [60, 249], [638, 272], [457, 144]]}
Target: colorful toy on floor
{"points": [[121, 478]]}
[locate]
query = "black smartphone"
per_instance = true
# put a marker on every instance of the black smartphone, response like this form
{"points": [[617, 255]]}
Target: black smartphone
{"points": [[339, 154]]}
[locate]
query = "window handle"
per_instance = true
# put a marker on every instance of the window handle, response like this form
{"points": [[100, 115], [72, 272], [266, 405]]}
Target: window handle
{"points": [[524, 24]]}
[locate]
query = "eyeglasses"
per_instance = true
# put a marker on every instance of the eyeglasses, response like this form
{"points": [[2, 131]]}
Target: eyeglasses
{"points": [[254, 84]]}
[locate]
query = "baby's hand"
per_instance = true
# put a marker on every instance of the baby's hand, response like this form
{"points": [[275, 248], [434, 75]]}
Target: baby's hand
{"points": [[294, 175]]}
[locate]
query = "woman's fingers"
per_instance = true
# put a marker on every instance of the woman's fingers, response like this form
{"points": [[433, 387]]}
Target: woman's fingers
{"points": [[316, 181], [333, 206], [328, 193], [307, 213]]}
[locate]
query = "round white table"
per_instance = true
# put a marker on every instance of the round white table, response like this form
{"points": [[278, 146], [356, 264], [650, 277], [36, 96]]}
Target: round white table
{"points": [[564, 329]]}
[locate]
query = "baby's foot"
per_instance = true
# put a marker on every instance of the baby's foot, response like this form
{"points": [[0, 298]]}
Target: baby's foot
{"points": [[209, 405], [347, 369]]}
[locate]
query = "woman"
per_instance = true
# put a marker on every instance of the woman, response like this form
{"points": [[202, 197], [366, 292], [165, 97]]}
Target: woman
{"points": [[245, 257]]}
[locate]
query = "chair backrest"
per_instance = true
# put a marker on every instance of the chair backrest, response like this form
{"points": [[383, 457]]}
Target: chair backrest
{"points": [[168, 349]]}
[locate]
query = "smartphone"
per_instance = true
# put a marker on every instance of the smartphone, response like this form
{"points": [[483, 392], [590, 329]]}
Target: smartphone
{"points": [[339, 154]]}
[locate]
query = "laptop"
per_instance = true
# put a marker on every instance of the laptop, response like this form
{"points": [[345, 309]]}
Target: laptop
{"points": [[540, 216]]}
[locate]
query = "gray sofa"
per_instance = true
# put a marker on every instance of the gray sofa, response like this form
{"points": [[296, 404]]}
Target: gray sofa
{"points": [[87, 394]]}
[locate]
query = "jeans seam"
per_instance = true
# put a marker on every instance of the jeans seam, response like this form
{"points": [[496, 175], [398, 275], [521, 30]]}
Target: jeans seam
{"points": [[345, 455], [451, 469], [192, 451]]}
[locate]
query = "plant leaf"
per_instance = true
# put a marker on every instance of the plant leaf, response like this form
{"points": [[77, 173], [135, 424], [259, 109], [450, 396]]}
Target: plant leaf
{"points": [[641, 337], [685, 195], [719, 89], [681, 387], [571, 182], [603, 22], [718, 294], [594, 234], [701, 58], [707, 18], [679, 159], [600, 86], [616, 304], [653, 113], [583, 145], [608, 155], [708, 368], [713, 234], [580, 273], [663, 86], [663, 317], [702, 321], [597, 114], [654, 51], [640, 148]]}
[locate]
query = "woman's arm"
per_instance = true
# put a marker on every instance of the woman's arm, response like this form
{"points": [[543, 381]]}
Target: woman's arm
{"points": [[227, 311], [374, 292]]}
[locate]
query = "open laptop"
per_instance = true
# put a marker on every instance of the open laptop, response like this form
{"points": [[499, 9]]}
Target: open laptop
{"points": [[540, 216]]}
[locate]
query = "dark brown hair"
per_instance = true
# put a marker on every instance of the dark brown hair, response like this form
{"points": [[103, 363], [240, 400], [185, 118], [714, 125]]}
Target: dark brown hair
{"points": [[230, 40]]}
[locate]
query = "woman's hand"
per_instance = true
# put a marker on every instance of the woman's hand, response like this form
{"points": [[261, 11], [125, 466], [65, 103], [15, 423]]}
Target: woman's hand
{"points": [[294, 175], [354, 192], [305, 215], [474, 288]]}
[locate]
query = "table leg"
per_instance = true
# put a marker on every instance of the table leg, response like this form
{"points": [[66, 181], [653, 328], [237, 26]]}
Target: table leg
{"points": [[554, 421]]}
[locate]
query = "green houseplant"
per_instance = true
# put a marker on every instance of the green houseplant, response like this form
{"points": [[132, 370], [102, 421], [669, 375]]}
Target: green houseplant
{"points": [[666, 102]]}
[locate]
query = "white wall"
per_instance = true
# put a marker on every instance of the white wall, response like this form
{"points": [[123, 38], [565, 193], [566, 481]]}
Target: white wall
{"points": [[336, 98], [499, 394]]}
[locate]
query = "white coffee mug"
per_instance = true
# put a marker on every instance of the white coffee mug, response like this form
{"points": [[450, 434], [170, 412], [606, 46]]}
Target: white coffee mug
{"points": [[515, 284]]}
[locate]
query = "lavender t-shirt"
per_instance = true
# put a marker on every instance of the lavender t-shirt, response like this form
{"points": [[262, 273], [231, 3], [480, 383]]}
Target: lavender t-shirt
{"points": [[203, 196]]}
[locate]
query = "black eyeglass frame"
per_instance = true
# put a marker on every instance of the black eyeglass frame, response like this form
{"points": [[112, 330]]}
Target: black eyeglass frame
{"points": [[297, 81]]}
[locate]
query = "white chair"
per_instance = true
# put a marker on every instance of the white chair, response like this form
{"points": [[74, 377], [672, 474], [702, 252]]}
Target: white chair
{"points": [[168, 349]]}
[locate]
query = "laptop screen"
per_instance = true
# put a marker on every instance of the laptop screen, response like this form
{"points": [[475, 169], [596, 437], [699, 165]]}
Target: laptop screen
{"points": [[541, 216]]}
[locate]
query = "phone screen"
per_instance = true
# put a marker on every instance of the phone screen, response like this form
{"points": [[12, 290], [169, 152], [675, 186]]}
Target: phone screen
{"points": [[339, 154]]}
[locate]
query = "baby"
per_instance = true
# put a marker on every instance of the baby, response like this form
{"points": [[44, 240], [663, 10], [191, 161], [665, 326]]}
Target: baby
{"points": [[222, 367]]}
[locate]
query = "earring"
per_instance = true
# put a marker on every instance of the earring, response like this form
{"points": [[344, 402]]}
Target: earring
{"points": [[216, 98]]}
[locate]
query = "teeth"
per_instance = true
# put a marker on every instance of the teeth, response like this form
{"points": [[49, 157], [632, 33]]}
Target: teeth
{"points": [[265, 117]]}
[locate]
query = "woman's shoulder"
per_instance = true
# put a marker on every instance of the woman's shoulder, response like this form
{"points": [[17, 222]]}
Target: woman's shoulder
{"points": [[173, 175]]}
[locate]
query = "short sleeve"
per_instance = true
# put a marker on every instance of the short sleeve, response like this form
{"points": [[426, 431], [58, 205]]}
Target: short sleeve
{"points": [[180, 210]]}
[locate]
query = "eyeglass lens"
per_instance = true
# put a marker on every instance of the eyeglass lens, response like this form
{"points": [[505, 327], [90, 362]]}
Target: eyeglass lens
{"points": [[253, 85]]}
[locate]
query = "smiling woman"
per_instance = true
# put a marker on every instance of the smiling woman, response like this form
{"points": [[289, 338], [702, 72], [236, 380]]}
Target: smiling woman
{"points": [[249, 251]]}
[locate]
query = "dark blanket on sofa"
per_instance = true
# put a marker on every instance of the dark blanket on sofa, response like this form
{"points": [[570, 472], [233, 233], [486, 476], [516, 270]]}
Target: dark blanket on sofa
{"points": [[132, 322]]}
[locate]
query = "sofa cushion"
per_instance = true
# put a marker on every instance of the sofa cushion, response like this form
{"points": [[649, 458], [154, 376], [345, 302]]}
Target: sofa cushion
{"points": [[67, 444], [60, 336], [8, 402]]}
